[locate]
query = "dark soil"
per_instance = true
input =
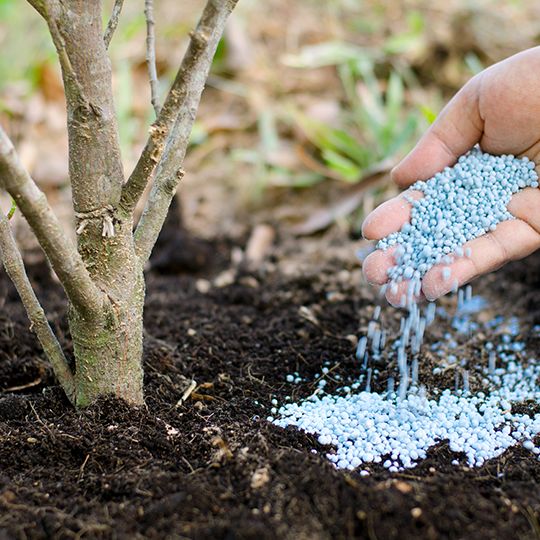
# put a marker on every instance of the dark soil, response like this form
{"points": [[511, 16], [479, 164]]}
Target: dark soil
{"points": [[212, 466]]}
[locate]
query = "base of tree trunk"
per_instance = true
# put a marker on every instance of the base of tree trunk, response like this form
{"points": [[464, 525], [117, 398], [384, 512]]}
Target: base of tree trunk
{"points": [[108, 352]]}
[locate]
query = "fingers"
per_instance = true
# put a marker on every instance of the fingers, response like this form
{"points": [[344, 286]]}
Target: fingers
{"points": [[525, 205], [456, 130], [376, 265], [511, 240], [385, 219], [389, 216], [375, 268]]}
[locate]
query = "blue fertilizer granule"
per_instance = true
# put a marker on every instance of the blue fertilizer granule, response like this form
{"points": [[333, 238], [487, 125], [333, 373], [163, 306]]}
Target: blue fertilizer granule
{"points": [[459, 204]]}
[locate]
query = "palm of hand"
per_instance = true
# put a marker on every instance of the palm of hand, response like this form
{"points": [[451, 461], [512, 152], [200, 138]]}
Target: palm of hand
{"points": [[500, 110]]}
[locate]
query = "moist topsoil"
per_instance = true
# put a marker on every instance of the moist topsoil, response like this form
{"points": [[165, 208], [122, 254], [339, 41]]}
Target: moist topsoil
{"points": [[204, 462]]}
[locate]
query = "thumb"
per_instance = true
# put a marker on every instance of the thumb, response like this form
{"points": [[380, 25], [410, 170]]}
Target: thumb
{"points": [[456, 130]]}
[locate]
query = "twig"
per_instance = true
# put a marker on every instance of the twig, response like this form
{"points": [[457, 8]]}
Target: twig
{"points": [[181, 101], [20, 387], [47, 428], [62, 254], [113, 22], [151, 54], [190, 389], [14, 265], [191, 80], [39, 6], [81, 469]]}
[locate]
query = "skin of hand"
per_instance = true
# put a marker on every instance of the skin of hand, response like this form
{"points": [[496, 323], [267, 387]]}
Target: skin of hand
{"points": [[500, 110]]}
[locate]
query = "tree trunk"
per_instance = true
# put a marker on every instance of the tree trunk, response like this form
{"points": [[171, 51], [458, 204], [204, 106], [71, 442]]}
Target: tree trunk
{"points": [[108, 344], [108, 339], [108, 351]]}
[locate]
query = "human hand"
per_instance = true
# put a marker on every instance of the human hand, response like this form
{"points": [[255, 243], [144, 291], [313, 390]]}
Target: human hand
{"points": [[500, 110]]}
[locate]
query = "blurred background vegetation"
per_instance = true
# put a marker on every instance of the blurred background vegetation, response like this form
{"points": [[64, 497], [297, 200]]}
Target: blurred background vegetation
{"points": [[308, 107]]}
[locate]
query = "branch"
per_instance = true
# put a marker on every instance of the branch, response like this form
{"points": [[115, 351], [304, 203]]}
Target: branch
{"points": [[195, 69], [155, 212], [182, 99], [62, 254], [44, 9], [13, 263], [113, 22], [151, 54]]}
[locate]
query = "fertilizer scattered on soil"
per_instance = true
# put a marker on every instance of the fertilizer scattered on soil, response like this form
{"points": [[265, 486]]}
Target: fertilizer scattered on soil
{"points": [[373, 427], [397, 427]]}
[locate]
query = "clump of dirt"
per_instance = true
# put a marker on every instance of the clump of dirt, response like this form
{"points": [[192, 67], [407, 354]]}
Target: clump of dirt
{"points": [[212, 466]]}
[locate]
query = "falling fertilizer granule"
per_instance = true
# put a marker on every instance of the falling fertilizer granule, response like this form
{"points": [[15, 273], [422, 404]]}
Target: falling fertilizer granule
{"points": [[397, 427]]}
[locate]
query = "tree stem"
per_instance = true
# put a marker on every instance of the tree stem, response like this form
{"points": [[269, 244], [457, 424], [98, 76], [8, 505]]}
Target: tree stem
{"points": [[14, 265], [182, 100], [194, 72], [113, 22], [151, 54]]}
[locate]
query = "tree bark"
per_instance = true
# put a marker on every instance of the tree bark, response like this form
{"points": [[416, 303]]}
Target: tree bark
{"points": [[108, 349]]}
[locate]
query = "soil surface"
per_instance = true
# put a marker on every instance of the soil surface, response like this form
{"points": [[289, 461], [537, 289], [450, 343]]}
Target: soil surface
{"points": [[209, 465]]}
